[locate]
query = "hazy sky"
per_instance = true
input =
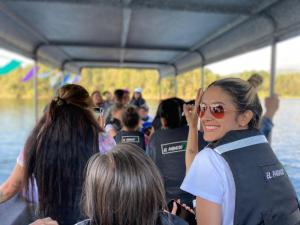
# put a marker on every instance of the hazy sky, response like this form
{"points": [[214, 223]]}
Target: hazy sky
{"points": [[288, 58]]}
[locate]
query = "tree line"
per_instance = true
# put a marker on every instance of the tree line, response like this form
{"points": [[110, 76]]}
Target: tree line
{"points": [[184, 85]]}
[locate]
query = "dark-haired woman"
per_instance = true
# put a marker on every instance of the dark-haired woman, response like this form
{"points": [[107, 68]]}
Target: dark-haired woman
{"points": [[237, 178], [130, 131], [167, 148], [56, 153], [97, 99], [123, 187]]}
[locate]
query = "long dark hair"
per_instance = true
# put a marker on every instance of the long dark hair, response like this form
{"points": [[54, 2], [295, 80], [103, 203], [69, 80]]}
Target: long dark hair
{"points": [[123, 187], [57, 150]]}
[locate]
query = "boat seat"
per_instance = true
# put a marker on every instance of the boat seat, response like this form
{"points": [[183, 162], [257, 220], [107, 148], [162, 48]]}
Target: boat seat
{"points": [[16, 211]]}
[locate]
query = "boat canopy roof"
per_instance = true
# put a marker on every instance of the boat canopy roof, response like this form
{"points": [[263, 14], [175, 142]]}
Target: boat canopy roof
{"points": [[172, 36]]}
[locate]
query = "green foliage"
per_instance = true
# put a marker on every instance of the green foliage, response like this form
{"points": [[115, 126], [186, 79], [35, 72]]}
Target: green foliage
{"points": [[153, 88]]}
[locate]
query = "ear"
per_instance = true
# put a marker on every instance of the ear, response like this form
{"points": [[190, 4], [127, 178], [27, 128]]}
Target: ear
{"points": [[244, 118]]}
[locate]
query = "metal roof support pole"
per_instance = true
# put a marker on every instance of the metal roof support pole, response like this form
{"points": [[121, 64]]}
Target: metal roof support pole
{"points": [[176, 85], [273, 67], [202, 77], [62, 78], [35, 95], [159, 88]]}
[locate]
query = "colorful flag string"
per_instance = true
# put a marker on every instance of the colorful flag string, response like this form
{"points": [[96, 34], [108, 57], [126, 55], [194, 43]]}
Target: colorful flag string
{"points": [[12, 65], [30, 74]]}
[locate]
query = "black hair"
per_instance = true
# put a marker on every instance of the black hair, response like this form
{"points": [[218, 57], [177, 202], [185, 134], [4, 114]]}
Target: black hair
{"points": [[119, 93], [169, 109], [130, 117], [57, 150]]}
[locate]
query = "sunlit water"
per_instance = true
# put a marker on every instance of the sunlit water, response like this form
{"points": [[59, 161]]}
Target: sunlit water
{"points": [[16, 121]]}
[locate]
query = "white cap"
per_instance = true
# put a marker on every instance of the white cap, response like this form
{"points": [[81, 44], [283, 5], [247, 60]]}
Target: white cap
{"points": [[138, 90]]}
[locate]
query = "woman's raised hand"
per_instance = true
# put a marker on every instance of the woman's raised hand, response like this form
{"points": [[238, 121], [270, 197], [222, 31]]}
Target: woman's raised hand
{"points": [[191, 111]]}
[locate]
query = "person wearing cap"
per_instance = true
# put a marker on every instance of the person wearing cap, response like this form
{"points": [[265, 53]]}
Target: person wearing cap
{"points": [[137, 98]]}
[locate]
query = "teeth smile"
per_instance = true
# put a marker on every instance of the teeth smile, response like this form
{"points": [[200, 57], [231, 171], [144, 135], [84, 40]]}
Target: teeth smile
{"points": [[211, 127]]}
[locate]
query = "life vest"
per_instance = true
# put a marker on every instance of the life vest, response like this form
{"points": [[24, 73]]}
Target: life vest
{"points": [[167, 149], [134, 137], [264, 193]]}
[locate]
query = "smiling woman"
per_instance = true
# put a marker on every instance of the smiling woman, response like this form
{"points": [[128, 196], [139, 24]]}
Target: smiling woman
{"points": [[228, 113], [237, 173]]}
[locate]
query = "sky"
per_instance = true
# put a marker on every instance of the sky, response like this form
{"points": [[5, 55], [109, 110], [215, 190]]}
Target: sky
{"points": [[288, 59], [6, 57]]}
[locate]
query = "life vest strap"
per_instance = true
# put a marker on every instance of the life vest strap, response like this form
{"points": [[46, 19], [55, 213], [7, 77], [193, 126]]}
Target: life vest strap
{"points": [[258, 139]]}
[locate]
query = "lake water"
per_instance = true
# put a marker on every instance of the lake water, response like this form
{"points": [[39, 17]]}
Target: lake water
{"points": [[16, 121]]}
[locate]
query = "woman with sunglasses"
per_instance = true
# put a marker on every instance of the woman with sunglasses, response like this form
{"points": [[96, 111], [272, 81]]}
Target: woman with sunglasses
{"points": [[237, 178]]}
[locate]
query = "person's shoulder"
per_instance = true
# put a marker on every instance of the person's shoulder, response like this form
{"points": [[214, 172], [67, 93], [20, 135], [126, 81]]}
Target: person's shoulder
{"points": [[183, 131], [105, 137], [209, 160], [106, 142], [170, 219], [156, 134], [208, 153]]}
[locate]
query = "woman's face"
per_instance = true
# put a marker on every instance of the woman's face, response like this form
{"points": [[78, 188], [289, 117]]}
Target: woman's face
{"points": [[96, 99], [215, 128], [137, 95]]}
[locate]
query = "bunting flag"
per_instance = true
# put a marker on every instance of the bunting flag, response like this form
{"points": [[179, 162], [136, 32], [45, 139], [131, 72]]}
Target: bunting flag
{"points": [[30, 74], [76, 79], [45, 75], [12, 65], [66, 78], [55, 79]]}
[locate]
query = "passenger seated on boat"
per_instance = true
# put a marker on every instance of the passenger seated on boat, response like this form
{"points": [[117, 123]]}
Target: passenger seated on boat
{"points": [[137, 98], [156, 123], [114, 124], [97, 99], [130, 131], [143, 111], [118, 98], [239, 179], [271, 106], [126, 97], [56, 153], [167, 149], [124, 187], [108, 98]]}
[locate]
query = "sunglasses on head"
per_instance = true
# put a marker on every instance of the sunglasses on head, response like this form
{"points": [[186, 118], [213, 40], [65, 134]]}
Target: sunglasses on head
{"points": [[216, 110]]}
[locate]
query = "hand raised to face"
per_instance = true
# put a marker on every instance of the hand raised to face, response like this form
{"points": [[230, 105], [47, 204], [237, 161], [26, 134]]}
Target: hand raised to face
{"points": [[191, 111]]}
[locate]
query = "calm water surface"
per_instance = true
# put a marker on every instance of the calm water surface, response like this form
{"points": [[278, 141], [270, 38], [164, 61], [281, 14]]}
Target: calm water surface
{"points": [[16, 121]]}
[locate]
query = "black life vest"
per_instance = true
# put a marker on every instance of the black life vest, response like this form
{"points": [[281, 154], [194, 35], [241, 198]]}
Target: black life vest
{"points": [[264, 193], [167, 150], [134, 137]]}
